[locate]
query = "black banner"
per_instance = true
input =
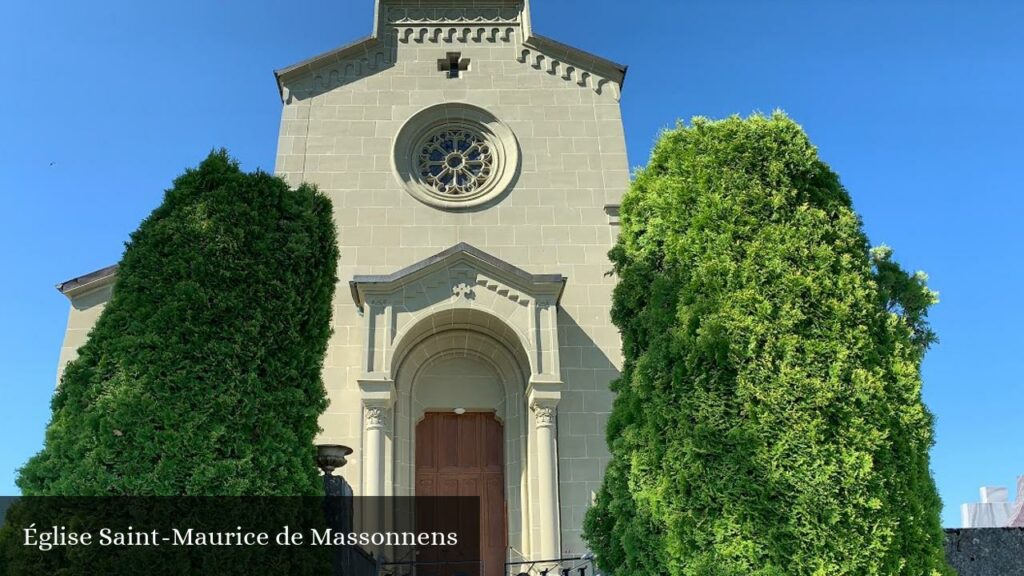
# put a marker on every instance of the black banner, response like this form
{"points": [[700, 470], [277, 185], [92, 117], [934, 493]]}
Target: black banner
{"points": [[233, 535]]}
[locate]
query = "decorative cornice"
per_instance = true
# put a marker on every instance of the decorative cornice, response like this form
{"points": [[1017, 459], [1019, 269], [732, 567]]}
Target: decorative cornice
{"points": [[454, 24], [478, 261], [503, 290], [579, 58], [362, 51], [335, 69], [467, 15], [450, 34], [566, 71]]}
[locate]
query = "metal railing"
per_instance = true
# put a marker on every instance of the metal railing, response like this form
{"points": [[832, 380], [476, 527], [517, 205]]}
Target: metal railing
{"points": [[578, 566], [581, 566], [433, 568]]}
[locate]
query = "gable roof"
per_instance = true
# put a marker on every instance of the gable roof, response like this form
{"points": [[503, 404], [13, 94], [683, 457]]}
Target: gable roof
{"points": [[553, 48], [362, 46], [369, 45], [549, 283]]}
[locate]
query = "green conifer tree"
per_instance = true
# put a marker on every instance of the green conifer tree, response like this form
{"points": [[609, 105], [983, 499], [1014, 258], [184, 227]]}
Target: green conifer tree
{"points": [[768, 419], [202, 374]]}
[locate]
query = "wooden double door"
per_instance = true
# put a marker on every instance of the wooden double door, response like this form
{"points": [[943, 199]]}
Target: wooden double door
{"points": [[463, 455]]}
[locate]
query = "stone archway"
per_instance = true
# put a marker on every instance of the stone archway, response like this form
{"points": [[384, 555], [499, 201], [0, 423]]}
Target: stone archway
{"points": [[466, 303], [500, 387]]}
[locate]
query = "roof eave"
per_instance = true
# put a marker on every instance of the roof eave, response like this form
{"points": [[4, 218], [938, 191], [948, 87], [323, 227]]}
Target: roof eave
{"points": [[88, 282], [308, 65], [607, 68]]}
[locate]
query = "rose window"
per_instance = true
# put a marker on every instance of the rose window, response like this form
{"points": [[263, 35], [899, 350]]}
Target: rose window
{"points": [[455, 162], [456, 156]]}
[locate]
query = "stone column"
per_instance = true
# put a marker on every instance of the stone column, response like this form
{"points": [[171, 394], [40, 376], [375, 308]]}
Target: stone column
{"points": [[378, 396], [547, 478], [376, 419]]}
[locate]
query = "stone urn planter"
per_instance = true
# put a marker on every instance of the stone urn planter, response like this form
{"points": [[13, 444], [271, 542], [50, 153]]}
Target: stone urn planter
{"points": [[330, 457]]}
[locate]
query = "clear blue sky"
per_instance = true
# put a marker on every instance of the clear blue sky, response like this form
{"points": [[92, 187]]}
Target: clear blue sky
{"points": [[917, 105]]}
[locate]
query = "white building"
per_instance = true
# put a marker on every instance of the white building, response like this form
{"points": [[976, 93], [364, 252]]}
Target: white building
{"points": [[995, 509]]}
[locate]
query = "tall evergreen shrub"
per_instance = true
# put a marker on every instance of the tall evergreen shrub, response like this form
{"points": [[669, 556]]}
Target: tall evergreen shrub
{"points": [[768, 419], [202, 375]]}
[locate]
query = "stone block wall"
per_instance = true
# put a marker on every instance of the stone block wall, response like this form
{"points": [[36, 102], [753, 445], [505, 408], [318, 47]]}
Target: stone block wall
{"points": [[986, 551], [85, 310], [338, 130]]}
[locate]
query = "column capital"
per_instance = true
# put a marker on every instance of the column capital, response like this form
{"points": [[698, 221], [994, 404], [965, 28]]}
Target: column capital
{"points": [[377, 416], [545, 413]]}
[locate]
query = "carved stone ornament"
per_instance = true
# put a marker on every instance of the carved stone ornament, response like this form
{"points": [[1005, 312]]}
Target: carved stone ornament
{"points": [[482, 15], [376, 417], [545, 414], [455, 161], [455, 156], [462, 290]]}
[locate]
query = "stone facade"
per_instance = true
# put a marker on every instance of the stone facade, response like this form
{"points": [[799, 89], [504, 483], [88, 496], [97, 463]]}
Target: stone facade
{"points": [[343, 113], [483, 285], [88, 295]]}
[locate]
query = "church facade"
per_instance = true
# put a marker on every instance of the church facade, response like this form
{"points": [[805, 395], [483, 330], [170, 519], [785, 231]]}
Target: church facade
{"points": [[476, 169]]}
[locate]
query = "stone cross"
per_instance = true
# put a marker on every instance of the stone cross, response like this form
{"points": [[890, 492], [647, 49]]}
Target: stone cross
{"points": [[453, 63]]}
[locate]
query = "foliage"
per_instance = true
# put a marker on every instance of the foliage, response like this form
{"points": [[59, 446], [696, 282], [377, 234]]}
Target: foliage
{"points": [[202, 374], [768, 419]]}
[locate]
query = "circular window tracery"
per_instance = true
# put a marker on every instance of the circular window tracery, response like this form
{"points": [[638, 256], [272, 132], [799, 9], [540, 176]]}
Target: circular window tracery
{"points": [[456, 156], [455, 161]]}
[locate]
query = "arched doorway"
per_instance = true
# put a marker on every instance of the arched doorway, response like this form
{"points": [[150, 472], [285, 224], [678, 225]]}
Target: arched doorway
{"points": [[462, 392], [469, 308], [470, 364]]}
